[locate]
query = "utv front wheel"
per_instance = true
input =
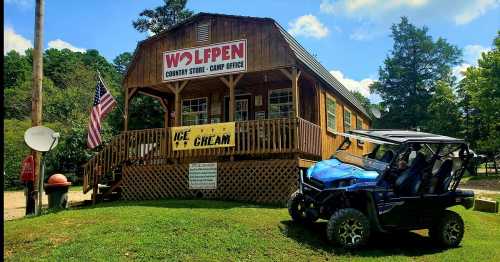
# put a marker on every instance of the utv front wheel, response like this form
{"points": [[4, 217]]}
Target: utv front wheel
{"points": [[297, 209], [448, 230], [348, 227]]}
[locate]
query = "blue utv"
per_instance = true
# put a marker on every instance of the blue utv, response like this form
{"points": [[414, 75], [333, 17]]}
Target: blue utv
{"points": [[406, 182]]}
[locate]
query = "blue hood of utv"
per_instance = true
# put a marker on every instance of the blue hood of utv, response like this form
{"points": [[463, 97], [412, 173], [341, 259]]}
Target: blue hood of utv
{"points": [[333, 173]]}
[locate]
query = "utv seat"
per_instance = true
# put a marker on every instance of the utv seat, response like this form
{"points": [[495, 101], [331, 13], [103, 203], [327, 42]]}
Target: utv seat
{"points": [[408, 183], [440, 180], [387, 156]]}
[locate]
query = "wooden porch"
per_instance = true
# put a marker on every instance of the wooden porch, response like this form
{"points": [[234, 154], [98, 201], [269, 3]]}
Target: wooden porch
{"points": [[286, 138]]}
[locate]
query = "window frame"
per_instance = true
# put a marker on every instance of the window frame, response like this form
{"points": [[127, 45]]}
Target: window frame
{"points": [[350, 119], [332, 99], [358, 118], [195, 113], [269, 93]]}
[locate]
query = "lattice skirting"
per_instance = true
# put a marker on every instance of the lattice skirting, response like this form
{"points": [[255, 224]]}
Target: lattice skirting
{"points": [[263, 181]]}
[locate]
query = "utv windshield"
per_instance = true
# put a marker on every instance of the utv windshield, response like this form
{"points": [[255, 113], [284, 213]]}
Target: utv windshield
{"points": [[381, 155]]}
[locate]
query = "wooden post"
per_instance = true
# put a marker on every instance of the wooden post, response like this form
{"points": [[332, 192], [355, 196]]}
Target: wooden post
{"points": [[177, 88], [125, 116], [36, 102], [294, 76], [231, 84]]}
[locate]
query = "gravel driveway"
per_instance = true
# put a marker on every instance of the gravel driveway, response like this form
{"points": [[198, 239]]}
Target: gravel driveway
{"points": [[14, 202]]}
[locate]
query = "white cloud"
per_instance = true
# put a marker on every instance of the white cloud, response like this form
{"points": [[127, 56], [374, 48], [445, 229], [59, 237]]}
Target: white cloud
{"points": [[14, 41], [473, 52], [308, 26], [478, 8], [361, 86], [60, 44], [459, 70], [458, 11], [21, 3]]}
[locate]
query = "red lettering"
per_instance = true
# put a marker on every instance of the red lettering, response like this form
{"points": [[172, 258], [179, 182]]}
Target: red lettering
{"points": [[197, 59], [225, 53], [206, 55], [237, 50], [215, 53], [172, 60], [188, 56]]}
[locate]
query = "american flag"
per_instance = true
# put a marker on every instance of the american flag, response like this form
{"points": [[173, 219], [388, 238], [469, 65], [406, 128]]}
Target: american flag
{"points": [[103, 104]]}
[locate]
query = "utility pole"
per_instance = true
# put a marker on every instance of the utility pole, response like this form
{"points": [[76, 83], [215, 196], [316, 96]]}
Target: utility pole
{"points": [[36, 99]]}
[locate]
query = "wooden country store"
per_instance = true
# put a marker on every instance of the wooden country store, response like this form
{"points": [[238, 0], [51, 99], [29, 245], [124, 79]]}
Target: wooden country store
{"points": [[283, 111]]}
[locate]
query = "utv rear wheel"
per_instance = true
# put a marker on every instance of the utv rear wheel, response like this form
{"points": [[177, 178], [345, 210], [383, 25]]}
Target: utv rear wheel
{"points": [[348, 227], [297, 209], [448, 230]]}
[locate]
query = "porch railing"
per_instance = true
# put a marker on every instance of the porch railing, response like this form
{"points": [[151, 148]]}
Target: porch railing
{"points": [[255, 137]]}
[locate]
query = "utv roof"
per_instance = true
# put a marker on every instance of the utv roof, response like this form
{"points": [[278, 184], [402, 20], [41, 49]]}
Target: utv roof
{"points": [[405, 136]]}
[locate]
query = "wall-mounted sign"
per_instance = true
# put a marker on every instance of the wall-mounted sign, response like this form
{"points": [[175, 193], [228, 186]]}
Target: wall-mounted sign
{"points": [[203, 136], [203, 176], [216, 59]]}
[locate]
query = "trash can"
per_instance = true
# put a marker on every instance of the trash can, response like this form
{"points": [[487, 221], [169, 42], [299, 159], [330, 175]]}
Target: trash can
{"points": [[57, 191]]}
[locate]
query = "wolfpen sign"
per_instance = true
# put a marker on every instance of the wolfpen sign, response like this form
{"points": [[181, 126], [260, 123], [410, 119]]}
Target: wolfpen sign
{"points": [[203, 136], [216, 59], [203, 176]]}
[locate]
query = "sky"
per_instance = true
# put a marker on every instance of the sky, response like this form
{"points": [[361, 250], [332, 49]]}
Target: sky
{"points": [[351, 38]]}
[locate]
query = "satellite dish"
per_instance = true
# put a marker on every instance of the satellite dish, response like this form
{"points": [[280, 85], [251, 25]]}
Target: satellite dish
{"points": [[375, 112], [41, 138]]}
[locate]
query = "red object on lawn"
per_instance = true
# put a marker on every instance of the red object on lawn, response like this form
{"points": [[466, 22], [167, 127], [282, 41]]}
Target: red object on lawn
{"points": [[28, 170], [58, 180]]}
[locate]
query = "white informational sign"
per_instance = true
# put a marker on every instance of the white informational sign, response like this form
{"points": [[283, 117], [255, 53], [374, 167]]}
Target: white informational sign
{"points": [[203, 176], [216, 59]]}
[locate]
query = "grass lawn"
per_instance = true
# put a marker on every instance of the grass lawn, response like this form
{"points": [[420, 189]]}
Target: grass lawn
{"points": [[215, 230]]}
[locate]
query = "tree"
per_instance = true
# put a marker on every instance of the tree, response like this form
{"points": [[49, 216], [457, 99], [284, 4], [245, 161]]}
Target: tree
{"points": [[480, 96], [444, 112], [409, 75], [122, 61], [162, 17], [17, 69]]}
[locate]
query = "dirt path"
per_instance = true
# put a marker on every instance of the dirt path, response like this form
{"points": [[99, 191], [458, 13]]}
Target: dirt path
{"points": [[14, 202]]}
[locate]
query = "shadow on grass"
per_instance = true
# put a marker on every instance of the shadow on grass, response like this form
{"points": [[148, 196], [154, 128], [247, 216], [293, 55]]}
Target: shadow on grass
{"points": [[380, 245], [181, 203]]}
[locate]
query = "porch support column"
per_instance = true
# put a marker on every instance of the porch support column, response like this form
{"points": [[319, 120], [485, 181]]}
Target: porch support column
{"points": [[293, 74], [129, 94], [176, 88], [231, 82]]}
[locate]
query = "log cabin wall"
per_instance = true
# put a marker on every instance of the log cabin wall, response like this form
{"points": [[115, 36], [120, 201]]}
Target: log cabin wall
{"points": [[331, 141]]}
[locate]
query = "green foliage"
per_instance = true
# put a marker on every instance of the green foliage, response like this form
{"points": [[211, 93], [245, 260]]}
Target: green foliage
{"points": [[480, 96], [444, 112], [68, 91], [409, 75], [16, 68], [122, 61], [162, 17], [15, 150]]}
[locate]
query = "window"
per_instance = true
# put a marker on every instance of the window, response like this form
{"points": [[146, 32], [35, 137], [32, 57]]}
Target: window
{"points": [[280, 103], [330, 114], [241, 110], [347, 120], [194, 111], [202, 32], [359, 125]]}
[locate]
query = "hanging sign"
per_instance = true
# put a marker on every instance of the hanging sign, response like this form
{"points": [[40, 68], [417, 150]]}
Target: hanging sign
{"points": [[216, 59], [203, 176], [203, 136], [28, 169]]}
